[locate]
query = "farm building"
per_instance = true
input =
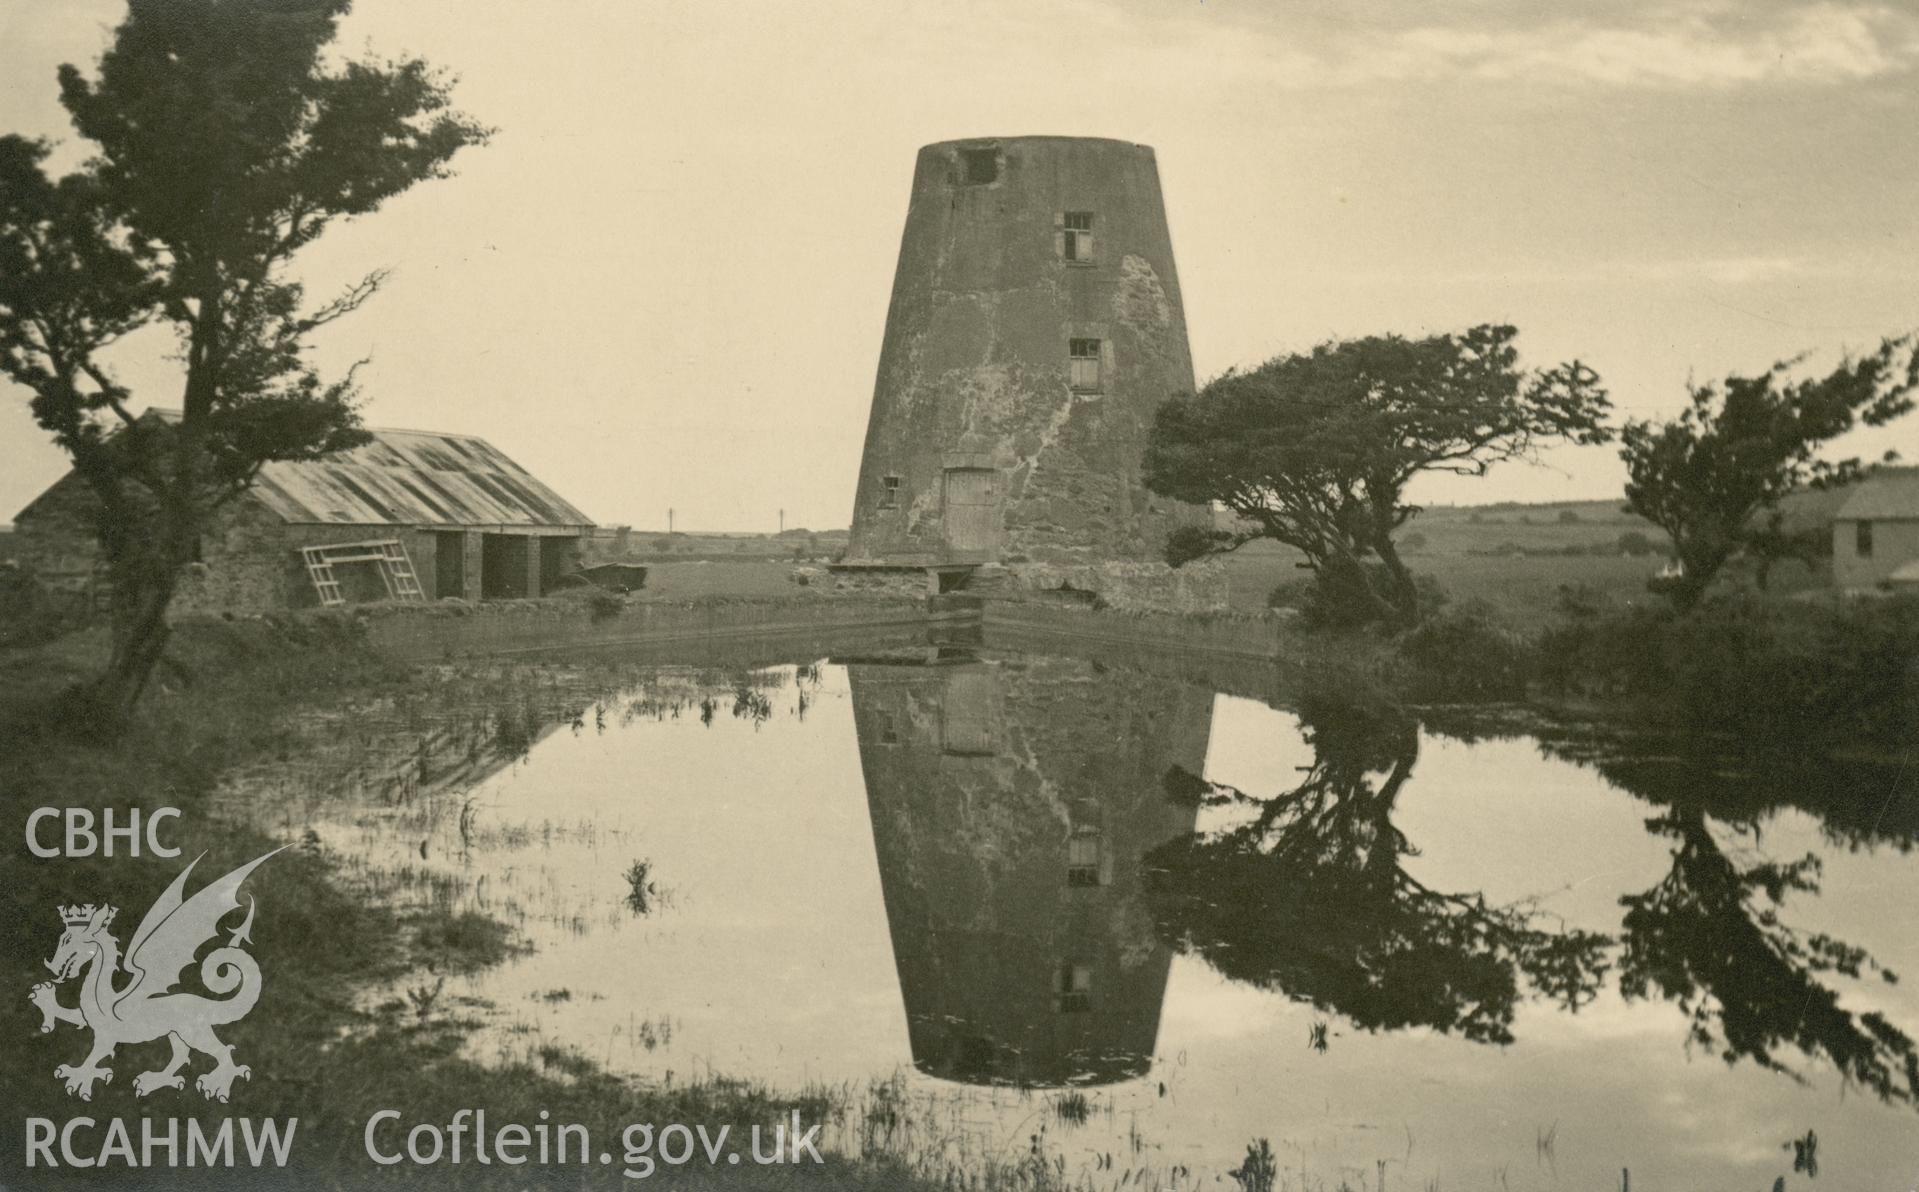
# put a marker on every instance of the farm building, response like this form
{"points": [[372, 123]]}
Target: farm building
{"points": [[1875, 534], [410, 515]]}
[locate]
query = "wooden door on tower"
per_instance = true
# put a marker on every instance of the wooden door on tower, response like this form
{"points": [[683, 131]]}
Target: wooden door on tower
{"points": [[969, 711], [970, 513]]}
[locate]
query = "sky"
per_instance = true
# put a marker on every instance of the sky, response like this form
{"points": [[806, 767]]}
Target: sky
{"points": [[663, 284]]}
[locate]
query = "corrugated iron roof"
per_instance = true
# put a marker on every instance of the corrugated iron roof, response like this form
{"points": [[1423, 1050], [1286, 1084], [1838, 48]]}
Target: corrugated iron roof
{"points": [[1890, 494], [410, 478]]}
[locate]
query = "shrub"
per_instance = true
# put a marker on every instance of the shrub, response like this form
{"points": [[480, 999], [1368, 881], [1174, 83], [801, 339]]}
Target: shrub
{"points": [[1580, 602], [1568, 517], [1825, 673], [1463, 655], [603, 605], [1330, 601], [1635, 543]]}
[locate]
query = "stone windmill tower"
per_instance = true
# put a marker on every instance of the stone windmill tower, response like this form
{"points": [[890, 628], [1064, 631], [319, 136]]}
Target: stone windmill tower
{"points": [[1035, 326], [1013, 808]]}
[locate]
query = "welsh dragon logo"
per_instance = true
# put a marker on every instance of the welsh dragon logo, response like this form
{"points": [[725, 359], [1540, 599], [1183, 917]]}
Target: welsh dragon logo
{"points": [[145, 1008]]}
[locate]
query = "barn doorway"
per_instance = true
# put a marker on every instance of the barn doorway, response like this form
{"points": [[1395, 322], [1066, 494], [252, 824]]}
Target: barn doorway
{"points": [[503, 566], [449, 564], [554, 554]]}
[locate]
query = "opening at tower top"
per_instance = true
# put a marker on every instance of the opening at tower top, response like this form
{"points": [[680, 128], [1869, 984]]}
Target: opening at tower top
{"points": [[982, 165]]}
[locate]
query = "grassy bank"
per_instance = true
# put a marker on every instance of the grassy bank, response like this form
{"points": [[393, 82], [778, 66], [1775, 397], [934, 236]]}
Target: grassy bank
{"points": [[230, 695]]}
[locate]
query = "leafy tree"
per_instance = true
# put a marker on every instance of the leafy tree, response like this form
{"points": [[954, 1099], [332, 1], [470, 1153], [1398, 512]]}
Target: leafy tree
{"points": [[1315, 449], [1712, 477], [224, 143]]}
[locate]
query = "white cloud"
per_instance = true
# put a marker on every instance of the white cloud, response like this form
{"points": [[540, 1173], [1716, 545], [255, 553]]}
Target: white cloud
{"points": [[1664, 46]]}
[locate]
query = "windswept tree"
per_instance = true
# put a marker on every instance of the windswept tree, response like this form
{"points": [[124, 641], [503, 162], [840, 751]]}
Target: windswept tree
{"points": [[1713, 477], [1316, 449], [224, 142]]}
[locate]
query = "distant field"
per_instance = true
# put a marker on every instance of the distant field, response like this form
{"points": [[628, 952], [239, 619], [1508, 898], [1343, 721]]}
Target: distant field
{"points": [[645, 546], [1523, 589], [1482, 555], [1513, 557], [671, 581]]}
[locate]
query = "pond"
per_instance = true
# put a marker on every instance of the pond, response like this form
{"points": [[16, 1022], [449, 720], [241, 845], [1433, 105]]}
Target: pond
{"points": [[1013, 901]]}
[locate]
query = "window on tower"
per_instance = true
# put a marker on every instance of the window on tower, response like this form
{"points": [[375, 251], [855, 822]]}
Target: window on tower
{"points": [[981, 166], [889, 492], [1082, 858], [1073, 988], [1083, 355], [1076, 241]]}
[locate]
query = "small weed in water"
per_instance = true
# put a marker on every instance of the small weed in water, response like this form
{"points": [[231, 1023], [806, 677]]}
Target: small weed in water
{"points": [[1260, 1170], [426, 997], [641, 893]]}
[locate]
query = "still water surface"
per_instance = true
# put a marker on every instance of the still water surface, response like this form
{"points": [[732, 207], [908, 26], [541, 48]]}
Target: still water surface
{"points": [[966, 885]]}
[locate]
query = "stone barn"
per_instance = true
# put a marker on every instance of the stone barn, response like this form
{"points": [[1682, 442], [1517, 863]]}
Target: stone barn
{"points": [[411, 515], [1035, 326], [1875, 534]]}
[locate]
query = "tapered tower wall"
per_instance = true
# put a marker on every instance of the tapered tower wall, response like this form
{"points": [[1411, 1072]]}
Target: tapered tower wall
{"points": [[1012, 807], [1035, 326]]}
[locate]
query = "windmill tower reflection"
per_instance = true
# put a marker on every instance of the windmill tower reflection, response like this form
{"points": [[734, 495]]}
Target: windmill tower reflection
{"points": [[1011, 804]]}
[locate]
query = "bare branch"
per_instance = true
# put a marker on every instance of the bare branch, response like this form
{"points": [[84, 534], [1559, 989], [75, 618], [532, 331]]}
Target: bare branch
{"points": [[349, 301]]}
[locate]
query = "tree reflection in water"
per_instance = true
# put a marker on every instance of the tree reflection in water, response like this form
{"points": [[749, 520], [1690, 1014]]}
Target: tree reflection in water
{"points": [[1709, 937], [1307, 894], [1310, 896]]}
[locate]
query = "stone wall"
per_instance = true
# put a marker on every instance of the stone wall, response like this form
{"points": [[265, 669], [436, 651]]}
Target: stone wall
{"points": [[455, 629], [902, 582], [1271, 635], [55, 538], [1198, 587]]}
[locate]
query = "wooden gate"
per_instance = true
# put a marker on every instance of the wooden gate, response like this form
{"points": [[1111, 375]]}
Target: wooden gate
{"points": [[970, 514]]}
